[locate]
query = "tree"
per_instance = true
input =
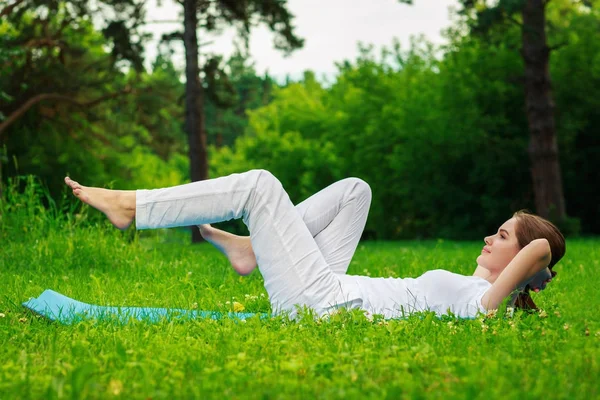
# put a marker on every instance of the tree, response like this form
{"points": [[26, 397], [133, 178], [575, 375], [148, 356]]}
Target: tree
{"points": [[51, 19], [442, 140], [210, 15], [41, 36], [106, 122], [530, 16], [232, 95]]}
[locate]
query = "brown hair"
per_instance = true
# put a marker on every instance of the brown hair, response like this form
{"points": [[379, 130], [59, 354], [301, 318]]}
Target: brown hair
{"points": [[530, 227]]}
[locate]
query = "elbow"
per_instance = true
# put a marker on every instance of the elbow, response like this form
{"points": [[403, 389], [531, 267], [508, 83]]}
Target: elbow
{"points": [[542, 249]]}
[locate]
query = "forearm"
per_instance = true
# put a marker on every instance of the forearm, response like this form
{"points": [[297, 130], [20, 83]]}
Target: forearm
{"points": [[532, 259]]}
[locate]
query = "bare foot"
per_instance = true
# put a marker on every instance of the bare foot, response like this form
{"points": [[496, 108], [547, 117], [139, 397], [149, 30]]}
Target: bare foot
{"points": [[118, 205], [238, 249]]}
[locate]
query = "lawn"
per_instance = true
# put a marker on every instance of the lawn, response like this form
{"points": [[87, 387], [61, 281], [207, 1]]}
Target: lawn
{"points": [[550, 354]]}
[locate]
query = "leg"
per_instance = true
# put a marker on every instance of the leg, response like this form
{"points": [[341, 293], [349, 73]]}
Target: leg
{"points": [[335, 217], [294, 270]]}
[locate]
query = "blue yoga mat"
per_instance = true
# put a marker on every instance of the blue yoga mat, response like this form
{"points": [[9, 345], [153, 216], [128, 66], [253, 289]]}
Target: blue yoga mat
{"points": [[58, 307]]}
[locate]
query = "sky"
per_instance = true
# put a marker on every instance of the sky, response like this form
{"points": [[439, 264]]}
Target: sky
{"points": [[331, 29]]}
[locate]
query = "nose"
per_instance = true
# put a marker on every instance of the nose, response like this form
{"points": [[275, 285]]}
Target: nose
{"points": [[487, 240]]}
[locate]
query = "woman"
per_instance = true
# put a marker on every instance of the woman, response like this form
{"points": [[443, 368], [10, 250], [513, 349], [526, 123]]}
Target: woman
{"points": [[303, 252]]}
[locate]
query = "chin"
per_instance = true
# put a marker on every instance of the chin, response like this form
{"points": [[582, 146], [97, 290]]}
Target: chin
{"points": [[482, 264]]}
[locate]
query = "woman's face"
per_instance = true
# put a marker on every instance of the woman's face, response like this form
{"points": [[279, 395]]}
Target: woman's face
{"points": [[499, 248]]}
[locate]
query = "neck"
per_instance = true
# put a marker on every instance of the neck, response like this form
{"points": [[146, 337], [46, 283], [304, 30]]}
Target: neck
{"points": [[485, 273]]}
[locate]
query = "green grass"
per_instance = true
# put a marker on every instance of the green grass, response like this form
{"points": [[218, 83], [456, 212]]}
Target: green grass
{"points": [[552, 355]]}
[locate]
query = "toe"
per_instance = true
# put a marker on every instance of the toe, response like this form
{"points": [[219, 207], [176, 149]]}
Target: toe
{"points": [[72, 184], [81, 195]]}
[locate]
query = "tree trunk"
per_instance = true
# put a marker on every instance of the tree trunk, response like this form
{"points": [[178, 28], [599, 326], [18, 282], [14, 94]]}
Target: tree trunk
{"points": [[1, 188], [543, 148], [194, 108], [219, 126], [3, 158]]}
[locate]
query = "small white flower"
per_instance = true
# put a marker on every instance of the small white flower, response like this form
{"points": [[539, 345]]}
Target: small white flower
{"points": [[509, 312], [2, 315]]}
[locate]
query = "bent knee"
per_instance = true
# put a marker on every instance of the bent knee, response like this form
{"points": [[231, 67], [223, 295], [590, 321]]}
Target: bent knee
{"points": [[265, 179], [360, 188]]}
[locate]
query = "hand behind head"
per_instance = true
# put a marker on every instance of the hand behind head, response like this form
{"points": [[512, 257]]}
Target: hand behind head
{"points": [[539, 281]]}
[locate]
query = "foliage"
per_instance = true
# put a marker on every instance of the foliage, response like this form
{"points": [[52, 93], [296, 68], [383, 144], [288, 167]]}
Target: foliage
{"points": [[383, 124], [214, 15], [120, 21], [441, 140], [226, 113], [575, 70], [440, 134], [106, 140]]}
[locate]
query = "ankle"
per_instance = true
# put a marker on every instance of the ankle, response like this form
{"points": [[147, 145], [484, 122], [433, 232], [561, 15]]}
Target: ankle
{"points": [[205, 231], [126, 199]]}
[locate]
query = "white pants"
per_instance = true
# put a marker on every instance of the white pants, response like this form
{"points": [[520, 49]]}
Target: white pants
{"points": [[301, 251]]}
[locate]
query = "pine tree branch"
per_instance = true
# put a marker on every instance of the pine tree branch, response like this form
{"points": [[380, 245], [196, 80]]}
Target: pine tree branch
{"points": [[66, 22], [514, 21], [8, 9], [557, 46], [45, 42], [59, 97]]}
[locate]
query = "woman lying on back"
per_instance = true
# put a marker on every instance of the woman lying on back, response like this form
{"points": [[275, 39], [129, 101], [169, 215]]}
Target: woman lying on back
{"points": [[303, 251]]}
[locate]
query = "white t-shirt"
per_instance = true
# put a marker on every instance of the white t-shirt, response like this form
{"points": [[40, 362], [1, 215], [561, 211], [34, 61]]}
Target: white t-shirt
{"points": [[439, 291]]}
